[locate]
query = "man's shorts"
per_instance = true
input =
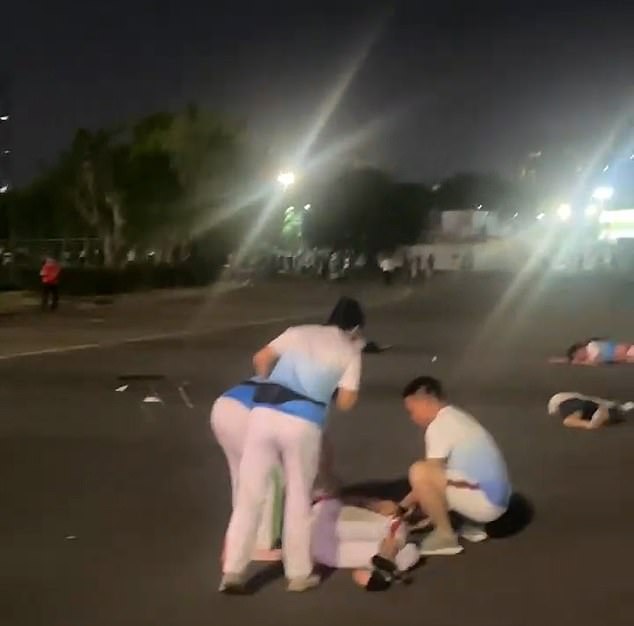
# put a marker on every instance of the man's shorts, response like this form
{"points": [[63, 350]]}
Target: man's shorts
{"points": [[466, 498], [588, 410]]}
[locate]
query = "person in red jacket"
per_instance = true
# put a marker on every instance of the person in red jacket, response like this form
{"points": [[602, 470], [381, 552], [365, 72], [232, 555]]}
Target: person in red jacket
{"points": [[49, 275]]}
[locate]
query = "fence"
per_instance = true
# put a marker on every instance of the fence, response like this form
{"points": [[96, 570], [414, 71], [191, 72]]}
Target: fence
{"points": [[70, 252]]}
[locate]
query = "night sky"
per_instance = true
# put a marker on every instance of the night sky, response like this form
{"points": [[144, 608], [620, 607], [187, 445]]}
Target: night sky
{"points": [[443, 86]]}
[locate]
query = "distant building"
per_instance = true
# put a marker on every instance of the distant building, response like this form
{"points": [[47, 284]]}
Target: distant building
{"points": [[469, 224]]}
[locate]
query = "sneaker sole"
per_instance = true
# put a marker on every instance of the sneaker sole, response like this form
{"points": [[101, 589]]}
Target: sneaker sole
{"points": [[442, 551], [300, 589], [475, 537], [233, 590], [232, 587]]}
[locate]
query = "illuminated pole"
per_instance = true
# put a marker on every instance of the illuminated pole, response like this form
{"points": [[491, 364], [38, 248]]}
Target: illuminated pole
{"points": [[5, 159]]}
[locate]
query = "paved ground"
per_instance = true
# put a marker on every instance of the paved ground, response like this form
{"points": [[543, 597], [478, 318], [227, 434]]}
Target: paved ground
{"points": [[113, 511], [81, 324]]}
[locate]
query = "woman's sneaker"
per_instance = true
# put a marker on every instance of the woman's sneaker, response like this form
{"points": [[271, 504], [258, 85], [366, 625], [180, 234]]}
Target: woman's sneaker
{"points": [[303, 584], [232, 584]]}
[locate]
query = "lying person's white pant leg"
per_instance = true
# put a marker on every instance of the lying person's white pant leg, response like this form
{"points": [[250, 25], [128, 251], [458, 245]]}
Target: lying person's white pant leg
{"points": [[466, 498], [348, 537]]}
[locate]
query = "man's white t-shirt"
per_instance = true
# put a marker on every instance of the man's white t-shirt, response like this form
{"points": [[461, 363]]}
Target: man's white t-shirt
{"points": [[316, 360], [459, 438]]}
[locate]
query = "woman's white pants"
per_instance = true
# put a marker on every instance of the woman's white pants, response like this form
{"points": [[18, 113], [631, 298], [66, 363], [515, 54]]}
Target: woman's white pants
{"points": [[229, 422], [274, 436]]}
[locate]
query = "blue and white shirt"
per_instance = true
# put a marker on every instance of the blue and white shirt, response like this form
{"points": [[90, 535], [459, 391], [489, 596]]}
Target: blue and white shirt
{"points": [[314, 361], [469, 449], [601, 351]]}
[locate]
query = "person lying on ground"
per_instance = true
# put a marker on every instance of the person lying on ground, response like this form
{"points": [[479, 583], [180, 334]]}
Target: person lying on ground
{"points": [[364, 536], [463, 471], [597, 351], [587, 412]]}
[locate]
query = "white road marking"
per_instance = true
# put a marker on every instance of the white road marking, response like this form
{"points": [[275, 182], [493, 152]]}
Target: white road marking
{"points": [[145, 338], [18, 355], [174, 334]]}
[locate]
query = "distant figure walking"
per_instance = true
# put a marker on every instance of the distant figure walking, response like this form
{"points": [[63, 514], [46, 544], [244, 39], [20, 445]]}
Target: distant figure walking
{"points": [[387, 266], [49, 276], [431, 263]]}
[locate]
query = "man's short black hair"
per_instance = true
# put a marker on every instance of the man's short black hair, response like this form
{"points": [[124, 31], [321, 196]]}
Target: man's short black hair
{"points": [[427, 384]]}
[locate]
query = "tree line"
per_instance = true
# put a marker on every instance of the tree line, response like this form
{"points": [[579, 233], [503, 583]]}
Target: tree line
{"points": [[171, 179]]}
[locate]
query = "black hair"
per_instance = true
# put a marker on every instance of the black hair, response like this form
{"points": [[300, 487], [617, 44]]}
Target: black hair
{"points": [[346, 315], [427, 384], [572, 350]]}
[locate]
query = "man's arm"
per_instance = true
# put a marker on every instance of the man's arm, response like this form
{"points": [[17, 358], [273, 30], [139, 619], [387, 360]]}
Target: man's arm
{"points": [[410, 499], [346, 399]]}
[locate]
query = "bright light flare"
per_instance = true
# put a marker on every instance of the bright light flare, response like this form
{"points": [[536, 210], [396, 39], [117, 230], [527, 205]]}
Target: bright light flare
{"points": [[623, 216], [540, 216], [603, 193], [564, 212], [4, 188], [286, 179]]}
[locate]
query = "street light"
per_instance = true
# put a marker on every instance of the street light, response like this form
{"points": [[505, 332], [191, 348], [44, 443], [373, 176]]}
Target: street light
{"points": [[603, 193], [564, 211], [286, 179], [540, 216], [307, 207], [4, 118]]}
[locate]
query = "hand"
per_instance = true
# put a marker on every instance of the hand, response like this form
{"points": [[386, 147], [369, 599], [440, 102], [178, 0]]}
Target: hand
{"points": [[359, 342], [384, 507]]}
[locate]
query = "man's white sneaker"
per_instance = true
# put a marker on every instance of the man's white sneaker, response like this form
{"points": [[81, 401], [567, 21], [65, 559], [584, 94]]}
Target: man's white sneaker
{"points": [[474, 533], [437, 543]]}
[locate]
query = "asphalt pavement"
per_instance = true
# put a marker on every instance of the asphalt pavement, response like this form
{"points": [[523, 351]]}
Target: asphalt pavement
{"points": [[113, 511]]}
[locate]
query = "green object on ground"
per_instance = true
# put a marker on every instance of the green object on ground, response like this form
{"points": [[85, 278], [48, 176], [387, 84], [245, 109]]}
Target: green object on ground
{"points": [[278, 505]]}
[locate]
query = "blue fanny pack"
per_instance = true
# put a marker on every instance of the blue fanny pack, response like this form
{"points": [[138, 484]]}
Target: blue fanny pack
{"points": [[286, 400]]}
